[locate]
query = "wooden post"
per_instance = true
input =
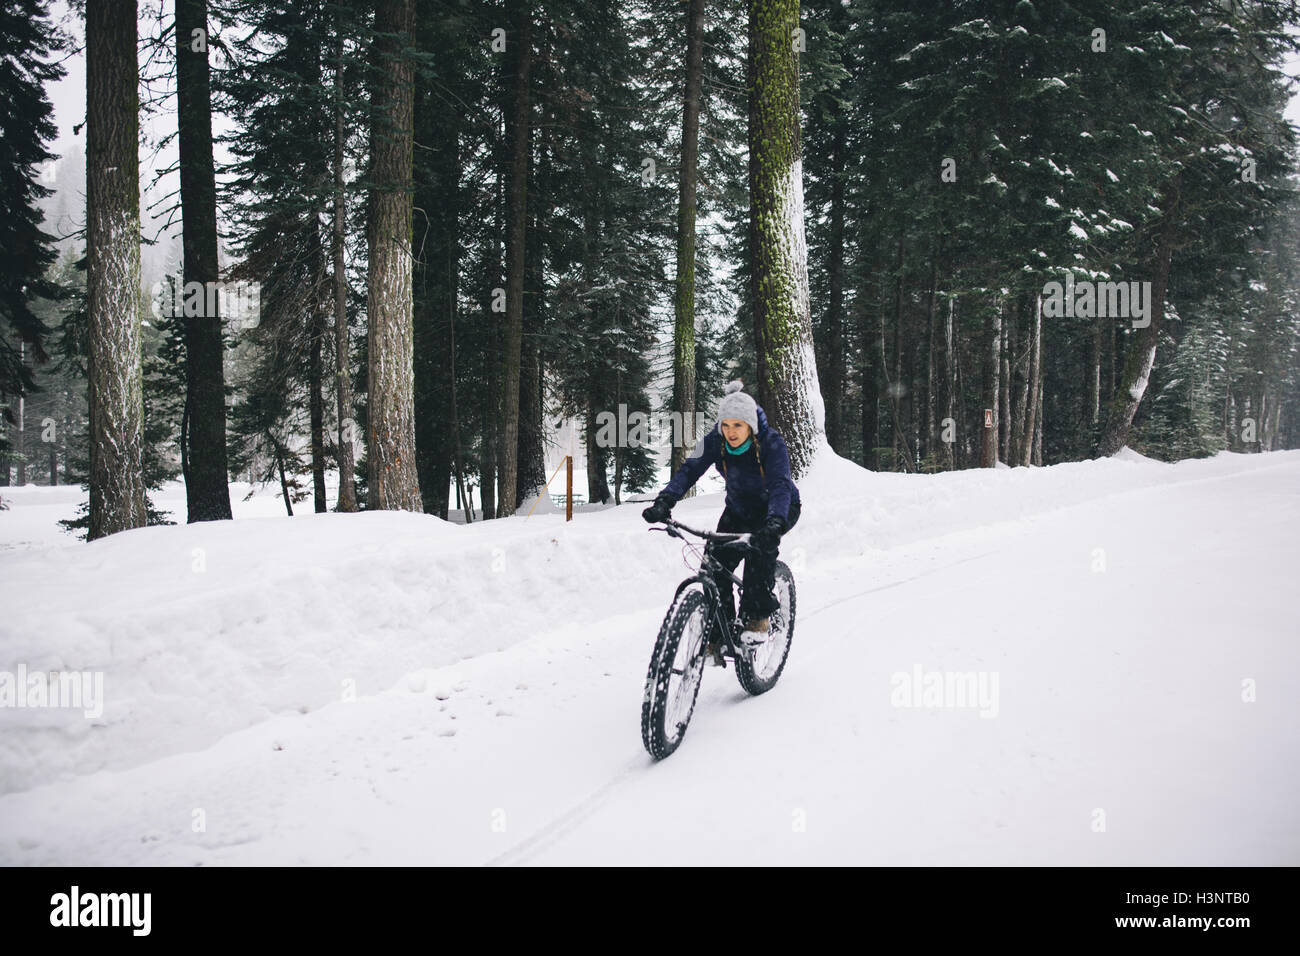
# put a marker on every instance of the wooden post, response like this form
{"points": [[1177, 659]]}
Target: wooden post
{"points": [[568, 487]]}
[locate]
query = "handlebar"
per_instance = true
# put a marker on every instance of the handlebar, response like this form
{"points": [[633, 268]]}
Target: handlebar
{"points": [[675, 528]]}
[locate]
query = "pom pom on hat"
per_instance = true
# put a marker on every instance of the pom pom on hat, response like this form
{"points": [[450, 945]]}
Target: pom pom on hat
{"points": [[736, 404]]}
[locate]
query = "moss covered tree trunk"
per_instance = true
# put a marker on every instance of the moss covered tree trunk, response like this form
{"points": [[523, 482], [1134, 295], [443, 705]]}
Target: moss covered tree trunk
{"points": [[117, 493], [787, 371]]}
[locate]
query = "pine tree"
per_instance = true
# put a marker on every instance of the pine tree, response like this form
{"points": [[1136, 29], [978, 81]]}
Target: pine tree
{"points": [[29, 43]]}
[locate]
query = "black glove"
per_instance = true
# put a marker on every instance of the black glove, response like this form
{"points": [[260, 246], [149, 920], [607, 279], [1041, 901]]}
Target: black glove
{"points": [[660, 510], [766, 537]]}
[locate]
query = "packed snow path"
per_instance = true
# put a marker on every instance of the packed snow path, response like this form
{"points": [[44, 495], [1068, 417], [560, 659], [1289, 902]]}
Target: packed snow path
{"points": [[1134, 625]]}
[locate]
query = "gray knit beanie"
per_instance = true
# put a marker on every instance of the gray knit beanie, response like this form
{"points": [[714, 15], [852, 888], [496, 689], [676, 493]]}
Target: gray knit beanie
{"points": [[736, 404]]}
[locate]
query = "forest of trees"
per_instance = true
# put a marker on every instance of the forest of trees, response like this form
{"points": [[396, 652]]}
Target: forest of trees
{"points": [[466, 220]]}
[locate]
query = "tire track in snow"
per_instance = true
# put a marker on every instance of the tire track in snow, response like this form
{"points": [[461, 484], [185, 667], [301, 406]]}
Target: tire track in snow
{"points": [[553, 833]]}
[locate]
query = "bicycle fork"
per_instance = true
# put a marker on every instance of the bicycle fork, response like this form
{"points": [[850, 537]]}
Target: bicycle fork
{"points": [[714, 619]]}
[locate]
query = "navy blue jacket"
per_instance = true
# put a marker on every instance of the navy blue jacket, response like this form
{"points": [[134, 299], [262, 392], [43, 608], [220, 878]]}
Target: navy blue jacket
{"points": [[753, 493]]}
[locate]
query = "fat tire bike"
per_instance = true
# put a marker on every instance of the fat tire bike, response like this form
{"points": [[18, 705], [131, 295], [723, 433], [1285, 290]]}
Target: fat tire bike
{"points": [[677, 664]]}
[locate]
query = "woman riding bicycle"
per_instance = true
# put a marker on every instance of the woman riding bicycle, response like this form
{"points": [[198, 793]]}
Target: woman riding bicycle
{"points": [[761, 499]]}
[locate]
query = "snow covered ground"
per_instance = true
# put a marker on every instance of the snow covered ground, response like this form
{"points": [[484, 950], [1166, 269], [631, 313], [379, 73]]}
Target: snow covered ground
{"points": [[390, 688]]}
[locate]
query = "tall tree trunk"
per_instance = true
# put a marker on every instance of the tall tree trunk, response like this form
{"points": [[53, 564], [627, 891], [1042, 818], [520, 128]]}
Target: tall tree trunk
{"points": [[117, 492], [965, 443], [1227, 390], [490, 406], [530, 468], [284, 484], [1035, 383], [1114, 339], [1021, 371], [20, 433], [1038, 417], [950, 383], [882, 380], [835, 318], [932, 312], [684, 303], [206, 493], [869, 377], [619, 452], [1093, 411], [597, 483], [436, 217], [453, 302], [1271, 431], [493, 352], [993, 363], [316, 374], [516, 216], [787, 372], [316, 364], [619, 458], [1141, 357], [458, 460], [533, 464], [429, 338], [1004, 413], [347, 501], [393, 484], [894, 376], [317, 412]]}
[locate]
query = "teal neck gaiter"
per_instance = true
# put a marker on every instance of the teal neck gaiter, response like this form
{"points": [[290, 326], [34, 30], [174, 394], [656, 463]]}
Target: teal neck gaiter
{"points": [[742, 449]]}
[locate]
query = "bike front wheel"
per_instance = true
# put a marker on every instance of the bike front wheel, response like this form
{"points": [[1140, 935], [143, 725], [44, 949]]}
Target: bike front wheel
{"points": [[676, 668]]}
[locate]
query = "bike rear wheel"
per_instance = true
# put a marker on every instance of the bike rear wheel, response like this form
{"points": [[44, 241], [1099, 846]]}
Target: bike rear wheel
{"points": [[676, 668], [759, 668]]}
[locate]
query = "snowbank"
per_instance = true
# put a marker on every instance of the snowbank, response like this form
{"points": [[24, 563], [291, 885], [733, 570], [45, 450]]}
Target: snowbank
{"points": [[201, 630]]}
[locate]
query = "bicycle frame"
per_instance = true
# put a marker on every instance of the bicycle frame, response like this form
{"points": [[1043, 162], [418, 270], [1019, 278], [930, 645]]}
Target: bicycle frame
{"points": [[704, 575]]}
